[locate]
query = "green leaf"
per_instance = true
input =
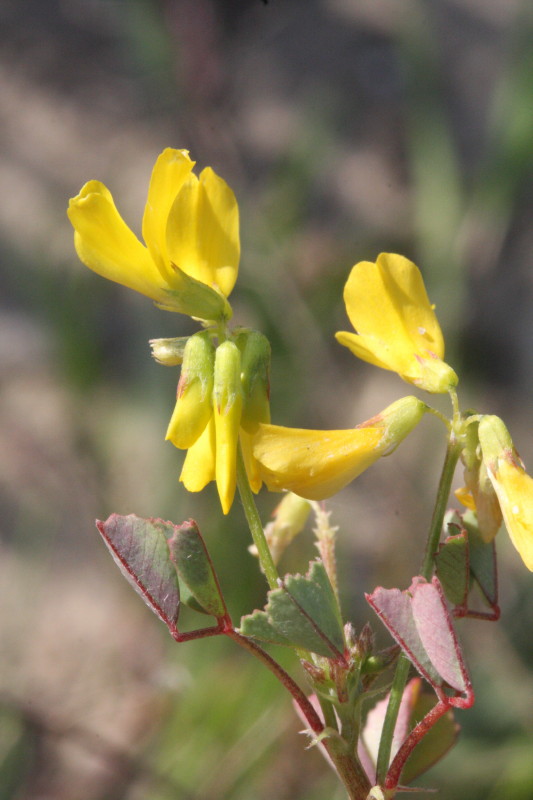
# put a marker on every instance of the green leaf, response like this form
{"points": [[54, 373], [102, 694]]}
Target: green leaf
{"points": [[258, 626], [482, 560], [139, 548], [191, 559], [453, 568], [303, 612]]}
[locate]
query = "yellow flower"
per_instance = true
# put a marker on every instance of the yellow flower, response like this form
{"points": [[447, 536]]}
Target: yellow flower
{"points": [[222, 398], [396, 326], [512, 484], [191, 230], [317, 464]]}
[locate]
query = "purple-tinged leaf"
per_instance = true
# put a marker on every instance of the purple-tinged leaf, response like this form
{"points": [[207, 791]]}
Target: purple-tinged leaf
{"points": [[368, 746], [139, 548], [435, 628], [193, 564], [421, 624]]}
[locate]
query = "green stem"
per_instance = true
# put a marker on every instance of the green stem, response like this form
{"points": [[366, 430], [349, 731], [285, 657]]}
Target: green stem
{"points": [[254, 523], [453, 451]]}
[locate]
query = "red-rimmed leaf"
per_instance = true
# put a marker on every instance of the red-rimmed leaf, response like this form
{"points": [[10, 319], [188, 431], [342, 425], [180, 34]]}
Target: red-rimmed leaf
{"points": [[195, 569], [420, 622], [139, 548]]}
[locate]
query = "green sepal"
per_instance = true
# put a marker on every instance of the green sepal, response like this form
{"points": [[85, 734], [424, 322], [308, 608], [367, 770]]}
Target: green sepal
{"points": [[196, 299], [255, 377], [194, 405], [193, 565]]}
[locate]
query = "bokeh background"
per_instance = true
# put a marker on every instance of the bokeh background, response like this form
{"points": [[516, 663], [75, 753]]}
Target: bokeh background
{"points": [[346, 128]]}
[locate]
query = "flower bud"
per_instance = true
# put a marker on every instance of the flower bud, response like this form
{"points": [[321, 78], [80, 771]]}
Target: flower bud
{"points": [[290, 517], [227, 402], [169, 352], [255, 378], [194, 404]]}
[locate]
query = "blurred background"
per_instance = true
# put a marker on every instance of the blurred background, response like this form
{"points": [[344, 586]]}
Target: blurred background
{"points": [[346, 128]]}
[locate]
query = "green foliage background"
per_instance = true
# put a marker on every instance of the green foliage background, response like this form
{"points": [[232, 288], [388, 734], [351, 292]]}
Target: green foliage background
{"points": [[346, 128]]}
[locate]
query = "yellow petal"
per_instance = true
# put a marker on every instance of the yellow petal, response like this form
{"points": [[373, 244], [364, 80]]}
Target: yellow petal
{"points": [[106, 245], [387, 299], [465, 497], [199, 465], [252, 467], [396, 326], [314, 464], [227, 410], [168, 176], [514, 488], [203, 231]]}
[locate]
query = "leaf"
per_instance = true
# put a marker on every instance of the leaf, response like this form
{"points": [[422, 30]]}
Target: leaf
{"points": [[436, 742], [258, 626], [193, 564], [453, 567], [482, 560], [303, 612], [421, 624], [139, 548]]}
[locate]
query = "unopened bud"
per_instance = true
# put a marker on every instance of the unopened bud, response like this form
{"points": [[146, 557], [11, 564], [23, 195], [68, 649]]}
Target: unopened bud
{"points": [[496, 442], [194, 404], [289, 520], [169, 352]]}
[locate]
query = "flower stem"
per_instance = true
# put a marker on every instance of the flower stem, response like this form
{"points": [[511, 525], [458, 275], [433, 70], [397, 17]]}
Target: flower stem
{"points": [[453, 451], [254, 523]]}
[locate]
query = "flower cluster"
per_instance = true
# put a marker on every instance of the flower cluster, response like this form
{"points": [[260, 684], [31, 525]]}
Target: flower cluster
{"points": [[189, 264]]}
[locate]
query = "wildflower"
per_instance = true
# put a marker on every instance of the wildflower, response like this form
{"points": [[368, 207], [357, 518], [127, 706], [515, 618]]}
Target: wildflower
{"points": [[396, 326], [512, 484], [222, 398], [317, 464], [191, 230]]}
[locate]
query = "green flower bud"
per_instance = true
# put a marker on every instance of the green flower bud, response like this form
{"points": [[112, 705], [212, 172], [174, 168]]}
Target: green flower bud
{"points": [[255, 378], [495, 439], [194, 404], [169, 352]]}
